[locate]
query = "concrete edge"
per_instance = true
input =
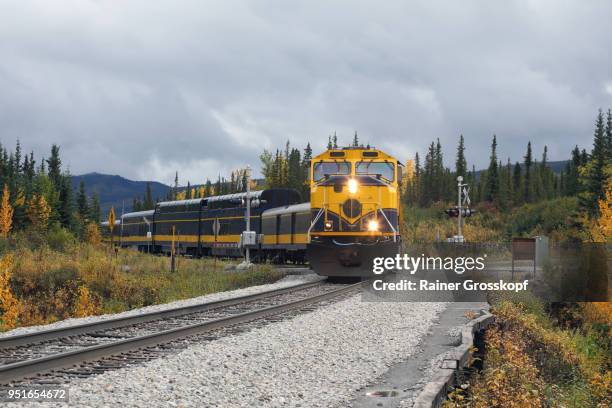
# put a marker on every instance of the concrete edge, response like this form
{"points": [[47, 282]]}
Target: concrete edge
{"points": [[434, 392]]}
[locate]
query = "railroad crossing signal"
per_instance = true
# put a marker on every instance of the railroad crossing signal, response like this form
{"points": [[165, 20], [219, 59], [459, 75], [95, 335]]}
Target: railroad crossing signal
{"points": [[453, 212], [466, 195]]}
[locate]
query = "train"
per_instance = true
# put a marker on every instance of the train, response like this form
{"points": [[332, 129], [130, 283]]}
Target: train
{"points": [[353, 216]]}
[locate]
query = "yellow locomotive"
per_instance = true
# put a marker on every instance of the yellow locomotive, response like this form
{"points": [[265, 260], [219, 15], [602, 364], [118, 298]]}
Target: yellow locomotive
{"points": [[355, 210]]}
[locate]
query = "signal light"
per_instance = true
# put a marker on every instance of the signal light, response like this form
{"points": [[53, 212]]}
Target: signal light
{"points": [[454, 212]]}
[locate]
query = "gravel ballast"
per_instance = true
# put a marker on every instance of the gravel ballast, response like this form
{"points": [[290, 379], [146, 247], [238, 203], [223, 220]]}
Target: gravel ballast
{"points": [[317, 359]]}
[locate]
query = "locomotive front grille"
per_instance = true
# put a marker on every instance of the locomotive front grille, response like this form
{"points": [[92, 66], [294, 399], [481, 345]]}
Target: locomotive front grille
{"points": [[351, 208]]}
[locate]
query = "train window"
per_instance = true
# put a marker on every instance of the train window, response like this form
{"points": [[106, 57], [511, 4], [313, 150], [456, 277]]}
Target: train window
{"points": [[384, 170], [327, 168]]}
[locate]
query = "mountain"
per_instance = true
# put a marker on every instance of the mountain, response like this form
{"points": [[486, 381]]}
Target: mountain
{"points": [[117, 191], [556, 166]]}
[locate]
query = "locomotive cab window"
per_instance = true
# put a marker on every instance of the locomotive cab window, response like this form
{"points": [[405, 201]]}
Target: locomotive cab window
{"points": [[385, 170], [321, 169]]}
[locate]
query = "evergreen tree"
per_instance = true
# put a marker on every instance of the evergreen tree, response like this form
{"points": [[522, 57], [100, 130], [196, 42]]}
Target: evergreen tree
{"points": [[509, 182], [492, 188], [136, 206], [439, 181], [527, 183], [95, 213], [148, 203], [295, 177], [596, 177], [609, 134], [417, 178], [82, 205], [335, 140], [54, 168], [572, 183], [65, 202], [307, 153], [330, 145], [355, 140], [516, 183], [461, 164], [584, 157], [175, 187], [207, 188], [218, 190]]}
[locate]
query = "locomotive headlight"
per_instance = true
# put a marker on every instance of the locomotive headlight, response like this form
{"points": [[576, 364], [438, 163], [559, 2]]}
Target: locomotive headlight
{"points": [[329, 225], [372, 225], [352, 186]]}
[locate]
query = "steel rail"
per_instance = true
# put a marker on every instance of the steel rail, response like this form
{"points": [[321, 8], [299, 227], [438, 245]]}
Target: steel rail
{"points": [[51, 334], [16, 371]]}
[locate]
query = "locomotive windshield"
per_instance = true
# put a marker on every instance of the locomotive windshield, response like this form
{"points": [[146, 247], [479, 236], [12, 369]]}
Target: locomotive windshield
{"points": [[384, 170], [323, 168]]}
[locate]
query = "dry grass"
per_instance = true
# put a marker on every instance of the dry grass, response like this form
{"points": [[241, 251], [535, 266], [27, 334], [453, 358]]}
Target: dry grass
{"points": [[85, 279]]}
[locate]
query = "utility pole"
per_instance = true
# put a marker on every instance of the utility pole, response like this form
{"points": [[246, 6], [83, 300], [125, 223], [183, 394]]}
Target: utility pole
{"points": [[459, 185], [460, 192], [248, 210], [248, 237]]}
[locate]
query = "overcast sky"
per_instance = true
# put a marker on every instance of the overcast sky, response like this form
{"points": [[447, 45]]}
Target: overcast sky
{"points": [[144, 88]]}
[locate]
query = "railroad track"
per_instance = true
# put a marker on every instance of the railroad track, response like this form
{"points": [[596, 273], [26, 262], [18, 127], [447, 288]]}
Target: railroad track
{"points": [[54, 356]]}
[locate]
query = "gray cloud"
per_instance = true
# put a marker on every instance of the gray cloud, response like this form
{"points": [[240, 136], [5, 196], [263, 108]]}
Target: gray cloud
{"points": [[142, 88]]}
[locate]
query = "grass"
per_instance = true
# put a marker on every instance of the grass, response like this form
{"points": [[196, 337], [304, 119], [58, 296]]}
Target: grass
{"points": [[79, 279], [543, 355]]}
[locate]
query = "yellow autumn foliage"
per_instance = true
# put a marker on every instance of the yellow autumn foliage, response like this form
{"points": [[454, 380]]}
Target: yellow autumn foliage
{"points": [[85, 305], [531, 362], [38, 212], [9, 305], [92, 234], [6, 213]]}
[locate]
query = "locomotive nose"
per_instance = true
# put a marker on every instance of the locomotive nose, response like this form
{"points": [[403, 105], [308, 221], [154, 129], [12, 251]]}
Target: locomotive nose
{"points": [[351, 208]]}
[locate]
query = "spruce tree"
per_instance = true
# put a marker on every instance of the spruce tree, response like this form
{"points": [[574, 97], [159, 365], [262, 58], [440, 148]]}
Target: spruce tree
{"points": [[572, 183], [330, 145], [516, 183], [527, 183], [596, 177], [355, 140], [294, 177], [492, 188], [82, 206], [175, 187], [54, 167], [335, 140], [609, 134], [439, 181], [148, 203], [461, 164], [65, 202]]}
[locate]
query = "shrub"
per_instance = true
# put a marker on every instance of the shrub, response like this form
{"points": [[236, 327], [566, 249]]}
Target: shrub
{"points": [[92, 234], [60, 239], [59, 278], [545, 217], [9, 305]]}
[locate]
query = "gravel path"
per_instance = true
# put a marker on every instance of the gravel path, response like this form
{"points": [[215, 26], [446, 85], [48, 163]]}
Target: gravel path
{"points": [[317, 359], [287, 281]]}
